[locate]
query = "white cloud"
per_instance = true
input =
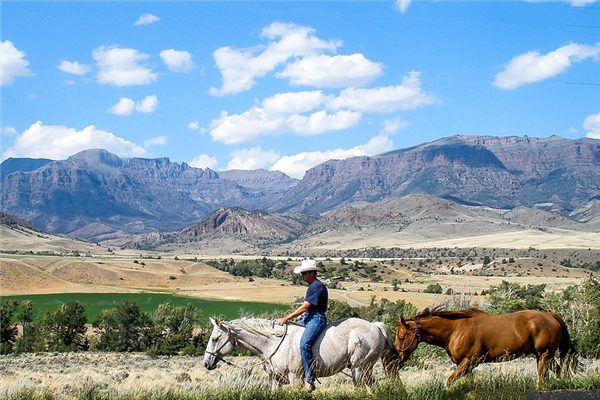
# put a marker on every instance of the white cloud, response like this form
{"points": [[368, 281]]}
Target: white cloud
{"points": [[574, 3], [8, 131], [73, 67], [59, 142], [177, 60], [293, 102], [155, 141], [534, 67], [322, 121], [406, 96], [120, 67], [393, 126], [146, 19], [238, 128], [194, 125], [285, 112], [592, 125], [12, 63], [296, 165], [402, 5], [332, 71], [253, 158], [147, 105], [203, 161], [126, 106], [240, 67]]}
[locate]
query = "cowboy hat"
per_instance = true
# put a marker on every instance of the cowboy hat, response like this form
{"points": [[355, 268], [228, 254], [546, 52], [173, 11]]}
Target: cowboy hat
{"points": [[307, 265]]}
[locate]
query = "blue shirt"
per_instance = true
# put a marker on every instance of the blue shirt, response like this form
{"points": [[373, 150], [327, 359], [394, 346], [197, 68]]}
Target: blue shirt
{"points": [[317, 296]]}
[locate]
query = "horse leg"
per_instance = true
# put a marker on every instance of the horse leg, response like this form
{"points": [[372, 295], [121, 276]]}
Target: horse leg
{"points": [[543, 363], [555, 367], [465, 366], [274, 383], [368, 378], [356, 376], [293, 379]]}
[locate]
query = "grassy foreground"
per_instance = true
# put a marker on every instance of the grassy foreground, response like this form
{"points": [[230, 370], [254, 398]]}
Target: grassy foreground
{"points": [[480, 388]]}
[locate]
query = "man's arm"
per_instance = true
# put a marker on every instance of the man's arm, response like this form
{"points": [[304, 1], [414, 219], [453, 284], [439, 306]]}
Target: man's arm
{"points": [[299, 311]]}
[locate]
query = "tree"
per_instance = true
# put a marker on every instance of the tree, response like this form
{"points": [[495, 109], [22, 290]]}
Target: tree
{"points": [[8, 329], [173, 328], [511, 297], [33, 337], [123, 328], [65, 329], [579, 306]]}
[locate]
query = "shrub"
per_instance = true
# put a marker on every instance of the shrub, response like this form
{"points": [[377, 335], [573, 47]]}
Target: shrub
{"points": [[511, 297], [433, 288], [579, 306]]}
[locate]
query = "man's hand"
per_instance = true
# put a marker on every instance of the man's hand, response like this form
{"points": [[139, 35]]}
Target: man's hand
{"points": [[282, 321]]}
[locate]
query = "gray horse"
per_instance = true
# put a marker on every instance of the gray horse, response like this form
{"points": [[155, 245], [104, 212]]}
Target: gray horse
{"points": [[349, 342]]}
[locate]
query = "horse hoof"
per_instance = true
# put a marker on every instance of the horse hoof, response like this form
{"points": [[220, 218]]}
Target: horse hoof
{"points": [[309, 387]]}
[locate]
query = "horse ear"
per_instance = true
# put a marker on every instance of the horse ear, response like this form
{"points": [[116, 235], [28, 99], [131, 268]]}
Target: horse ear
{"points": [[403, 321], [213, 322], [398, 323]]}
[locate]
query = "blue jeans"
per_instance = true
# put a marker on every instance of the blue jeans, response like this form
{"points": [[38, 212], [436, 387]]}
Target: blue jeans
{"points": [[314, 323]]}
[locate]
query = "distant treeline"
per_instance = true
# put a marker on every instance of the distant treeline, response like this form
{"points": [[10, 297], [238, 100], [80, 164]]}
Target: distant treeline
{"points": [[268, 268]]}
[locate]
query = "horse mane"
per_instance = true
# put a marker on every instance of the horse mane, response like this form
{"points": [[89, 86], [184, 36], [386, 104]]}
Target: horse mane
{"points": [[260, 326], [439, 311]]}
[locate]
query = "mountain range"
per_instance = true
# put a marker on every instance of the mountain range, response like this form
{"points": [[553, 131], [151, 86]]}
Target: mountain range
{"points": [[99, 196]]}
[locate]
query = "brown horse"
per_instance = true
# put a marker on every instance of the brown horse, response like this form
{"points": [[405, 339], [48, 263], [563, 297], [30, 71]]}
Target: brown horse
{"points": [[472, 336]]}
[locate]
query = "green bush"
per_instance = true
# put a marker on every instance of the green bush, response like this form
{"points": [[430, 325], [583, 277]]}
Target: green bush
{"points": [[433, 288], [511, 297], [579, 306]]}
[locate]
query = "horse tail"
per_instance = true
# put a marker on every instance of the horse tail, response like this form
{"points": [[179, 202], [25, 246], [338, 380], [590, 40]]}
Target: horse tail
{"points": [[390, 358], [568, 354]]}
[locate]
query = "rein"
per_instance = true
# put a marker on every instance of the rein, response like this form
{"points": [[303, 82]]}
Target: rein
{"points": [[234, 342]]}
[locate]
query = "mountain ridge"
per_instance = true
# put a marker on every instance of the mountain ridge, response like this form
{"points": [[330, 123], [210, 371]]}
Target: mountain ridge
{"points": [[99, 196]]}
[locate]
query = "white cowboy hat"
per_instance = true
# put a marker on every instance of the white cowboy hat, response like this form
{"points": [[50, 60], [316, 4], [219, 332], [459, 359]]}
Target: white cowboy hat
{"points": [[307, 265]]}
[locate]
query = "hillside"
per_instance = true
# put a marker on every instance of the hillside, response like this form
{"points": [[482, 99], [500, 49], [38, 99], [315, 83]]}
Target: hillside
{"points": [[97, 196], [100, 197], [418, 221], [556, 174], [21, 236]]}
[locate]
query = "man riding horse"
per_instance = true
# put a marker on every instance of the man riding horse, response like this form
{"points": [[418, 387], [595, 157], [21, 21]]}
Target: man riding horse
{"points": [[312, 311]]}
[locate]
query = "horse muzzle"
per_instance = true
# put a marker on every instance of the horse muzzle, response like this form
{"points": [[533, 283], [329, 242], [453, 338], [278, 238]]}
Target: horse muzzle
{"points": [[210, 366]]}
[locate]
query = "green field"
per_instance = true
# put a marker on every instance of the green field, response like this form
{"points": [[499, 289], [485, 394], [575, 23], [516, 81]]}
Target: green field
{"points": [[147, 302]]}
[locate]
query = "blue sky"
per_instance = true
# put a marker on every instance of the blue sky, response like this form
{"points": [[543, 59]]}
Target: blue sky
{"points": [[288, 85]]}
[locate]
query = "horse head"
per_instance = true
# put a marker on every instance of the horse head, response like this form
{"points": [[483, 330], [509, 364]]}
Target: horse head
{"points": [[221, 342], [407, 337]]}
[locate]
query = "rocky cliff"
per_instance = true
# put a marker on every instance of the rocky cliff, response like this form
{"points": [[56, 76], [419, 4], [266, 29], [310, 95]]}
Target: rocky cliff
{"points": [[502, 172]]}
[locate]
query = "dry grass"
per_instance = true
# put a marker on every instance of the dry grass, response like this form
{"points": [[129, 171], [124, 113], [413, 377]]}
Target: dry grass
{"points": [[66, 374], [27, 274]]}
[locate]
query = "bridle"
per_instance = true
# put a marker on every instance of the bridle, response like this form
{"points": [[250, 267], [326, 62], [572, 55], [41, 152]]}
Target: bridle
{"points": [[416, 336], [216, 354], [230, 335]]}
